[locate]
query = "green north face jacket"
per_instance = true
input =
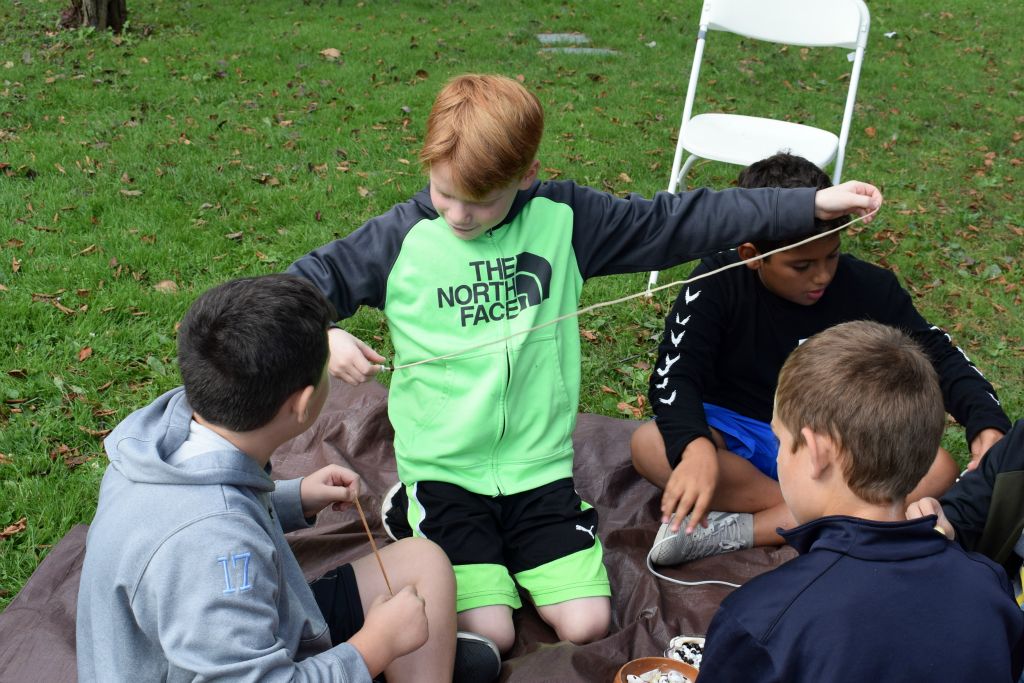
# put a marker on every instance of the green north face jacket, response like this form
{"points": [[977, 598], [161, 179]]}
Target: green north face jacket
{"points": [[497, 418]]}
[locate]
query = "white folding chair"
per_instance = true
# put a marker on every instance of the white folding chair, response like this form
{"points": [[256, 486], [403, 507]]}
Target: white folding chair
{"points": [[740, 139]]}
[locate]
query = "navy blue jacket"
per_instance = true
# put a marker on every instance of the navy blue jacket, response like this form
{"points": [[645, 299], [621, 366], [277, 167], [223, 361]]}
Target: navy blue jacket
{"points": [[869, 601]]}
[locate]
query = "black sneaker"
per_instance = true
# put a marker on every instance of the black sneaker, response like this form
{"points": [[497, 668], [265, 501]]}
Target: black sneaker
{"points": [[477, 659]]}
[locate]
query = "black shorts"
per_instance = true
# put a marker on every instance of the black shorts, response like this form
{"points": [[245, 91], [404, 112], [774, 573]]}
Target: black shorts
{"points": [[337, 595], [544, 539]]}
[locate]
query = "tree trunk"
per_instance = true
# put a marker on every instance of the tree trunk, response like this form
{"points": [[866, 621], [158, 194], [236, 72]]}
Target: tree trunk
{"points": [[104, 14]]}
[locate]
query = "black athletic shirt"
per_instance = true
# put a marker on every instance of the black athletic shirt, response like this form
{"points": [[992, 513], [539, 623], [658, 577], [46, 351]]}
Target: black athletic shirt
{"points": [[728, 336]]}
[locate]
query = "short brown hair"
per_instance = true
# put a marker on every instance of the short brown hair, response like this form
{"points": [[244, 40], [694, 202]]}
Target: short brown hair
{"points": [[873, 391], [487, 128]]}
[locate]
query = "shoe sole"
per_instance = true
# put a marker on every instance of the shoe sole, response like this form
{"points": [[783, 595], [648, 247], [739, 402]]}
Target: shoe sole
{"points": [[477, 659]]}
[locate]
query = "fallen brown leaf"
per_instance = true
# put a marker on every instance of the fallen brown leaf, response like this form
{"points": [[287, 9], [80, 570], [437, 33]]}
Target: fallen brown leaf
{"points": [[61, 307], [166, 286], [84, 354], [98, 433], [15, 528]]}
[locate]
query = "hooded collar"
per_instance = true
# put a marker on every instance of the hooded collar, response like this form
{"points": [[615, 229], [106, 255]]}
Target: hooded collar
{"points": [[139, 446]]}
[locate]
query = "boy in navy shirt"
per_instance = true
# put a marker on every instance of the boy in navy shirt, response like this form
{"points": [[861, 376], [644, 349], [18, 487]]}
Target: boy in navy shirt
{"points": [[872, 596]]}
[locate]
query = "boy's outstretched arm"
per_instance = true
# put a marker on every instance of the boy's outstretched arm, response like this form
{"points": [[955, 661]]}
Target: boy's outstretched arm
{"points": [[852, 196]]}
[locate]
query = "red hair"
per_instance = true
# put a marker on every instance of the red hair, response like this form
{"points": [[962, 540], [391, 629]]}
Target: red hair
{"points": [[487, 129]]}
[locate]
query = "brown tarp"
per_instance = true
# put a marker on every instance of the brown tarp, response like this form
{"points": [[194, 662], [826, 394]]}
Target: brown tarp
{"points": [[37, 630]]}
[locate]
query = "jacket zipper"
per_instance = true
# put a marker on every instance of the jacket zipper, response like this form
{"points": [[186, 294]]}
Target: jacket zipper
{"points": [[504, 397]]}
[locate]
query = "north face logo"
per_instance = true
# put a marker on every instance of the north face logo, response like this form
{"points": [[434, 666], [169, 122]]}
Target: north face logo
{"points": [[501, 289]]}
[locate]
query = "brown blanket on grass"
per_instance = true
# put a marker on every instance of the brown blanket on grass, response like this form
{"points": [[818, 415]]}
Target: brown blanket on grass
{"points": [[37, 630]]}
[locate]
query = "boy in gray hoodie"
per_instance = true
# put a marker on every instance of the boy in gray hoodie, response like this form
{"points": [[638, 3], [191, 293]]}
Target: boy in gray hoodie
{"points": [[187, 572]]}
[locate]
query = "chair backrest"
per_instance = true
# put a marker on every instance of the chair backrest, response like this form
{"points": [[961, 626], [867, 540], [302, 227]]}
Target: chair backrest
{"points": [[811, 23]]}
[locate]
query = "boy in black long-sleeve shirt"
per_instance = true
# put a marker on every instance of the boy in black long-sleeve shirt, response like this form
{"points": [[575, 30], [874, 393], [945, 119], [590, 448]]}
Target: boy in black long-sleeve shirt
{"points": [[726, 337]]}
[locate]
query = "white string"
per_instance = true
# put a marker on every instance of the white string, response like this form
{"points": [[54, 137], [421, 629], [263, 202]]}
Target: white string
{"points": [[646, 292]]}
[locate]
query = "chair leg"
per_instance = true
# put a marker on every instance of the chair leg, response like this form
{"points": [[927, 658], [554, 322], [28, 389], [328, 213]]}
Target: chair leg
{"points": [[673, 185], [690, 161]]}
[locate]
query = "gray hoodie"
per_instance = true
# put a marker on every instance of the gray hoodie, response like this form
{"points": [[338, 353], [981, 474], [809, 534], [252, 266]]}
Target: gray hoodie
{"points": [[188, 576]]}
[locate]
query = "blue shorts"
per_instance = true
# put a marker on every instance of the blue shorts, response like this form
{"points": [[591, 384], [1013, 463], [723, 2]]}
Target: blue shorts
{"points": [[746, 437]]}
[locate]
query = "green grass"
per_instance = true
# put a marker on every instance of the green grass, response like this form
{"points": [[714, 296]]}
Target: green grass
{"points": [[214, 140]]}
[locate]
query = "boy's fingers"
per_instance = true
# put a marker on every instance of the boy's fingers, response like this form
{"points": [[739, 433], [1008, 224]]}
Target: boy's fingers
{"points": [[699, 514], [683, 509]]}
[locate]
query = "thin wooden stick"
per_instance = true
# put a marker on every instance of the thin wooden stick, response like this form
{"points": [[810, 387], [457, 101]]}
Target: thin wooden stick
{"points": [[373, 544]]}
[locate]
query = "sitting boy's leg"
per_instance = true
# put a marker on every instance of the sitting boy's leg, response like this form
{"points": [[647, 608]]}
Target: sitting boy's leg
{"points": [[416, 562], [647, 449], [938, 479], [492, 621], [741, 486], [578, 621]]}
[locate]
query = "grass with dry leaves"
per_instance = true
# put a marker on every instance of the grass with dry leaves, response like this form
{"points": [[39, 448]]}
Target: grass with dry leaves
{"points": [[219, 139]]}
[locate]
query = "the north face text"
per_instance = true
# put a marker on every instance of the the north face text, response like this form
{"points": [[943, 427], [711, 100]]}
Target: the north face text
{"points": [[502, 288]]}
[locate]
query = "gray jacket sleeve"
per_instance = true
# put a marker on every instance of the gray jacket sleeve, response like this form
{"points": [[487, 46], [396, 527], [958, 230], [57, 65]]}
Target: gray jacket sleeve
{"points": [[287, 498], [632, 234], [353, 271]]}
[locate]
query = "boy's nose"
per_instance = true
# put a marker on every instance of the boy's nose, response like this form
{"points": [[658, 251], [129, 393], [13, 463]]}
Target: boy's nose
{"points": [[456, 214]]}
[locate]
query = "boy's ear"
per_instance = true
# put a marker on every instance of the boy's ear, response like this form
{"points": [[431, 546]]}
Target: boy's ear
{"points": [[530, 175], [301, 401], [821, 451], [748, 251]]}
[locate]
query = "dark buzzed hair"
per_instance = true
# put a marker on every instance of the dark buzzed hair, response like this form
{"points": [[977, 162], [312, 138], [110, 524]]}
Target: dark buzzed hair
{"points": [[246, 345], [788, 171]]}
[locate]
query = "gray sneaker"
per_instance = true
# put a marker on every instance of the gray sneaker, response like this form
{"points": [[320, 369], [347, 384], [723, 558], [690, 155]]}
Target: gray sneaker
{"points": [[726, 531], [477, 659]]}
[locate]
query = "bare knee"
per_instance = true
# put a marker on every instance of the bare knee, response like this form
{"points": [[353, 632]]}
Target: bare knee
{"points": [[422, 561], [492, 621], [647, 451], [579, 621]]}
